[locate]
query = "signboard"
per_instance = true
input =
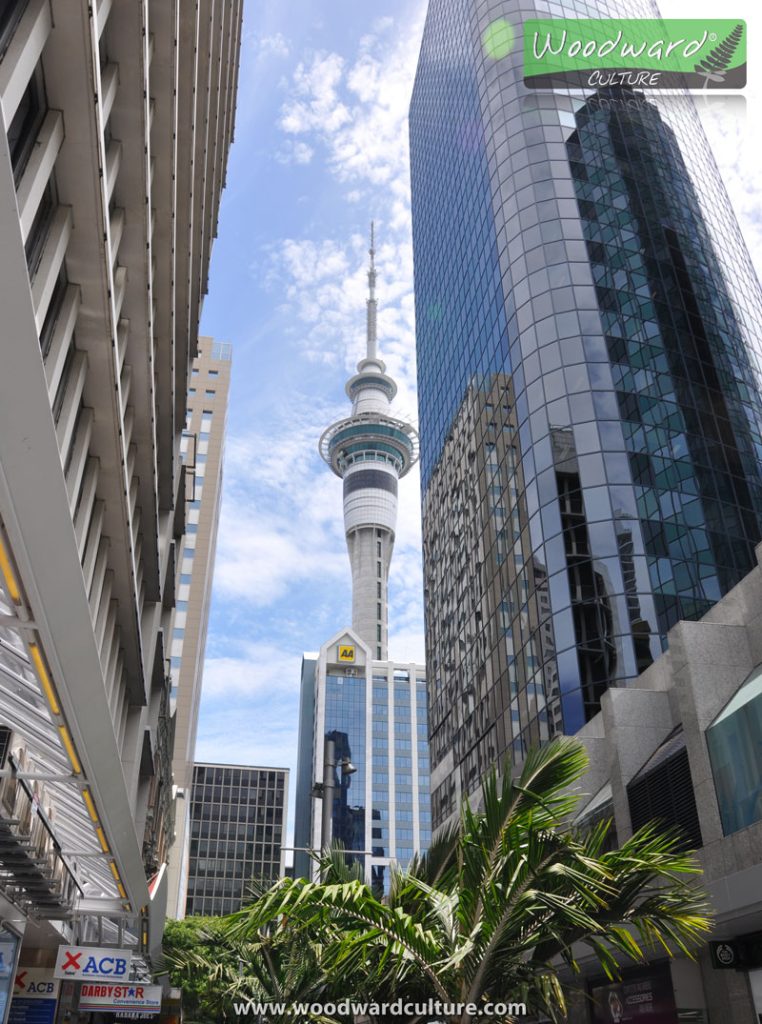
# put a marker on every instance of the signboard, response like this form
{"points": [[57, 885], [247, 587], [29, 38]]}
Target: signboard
{"points": [[647, 998], [9, 944], [89, 963], [133, 997], [724, 955], [346, 652], [35, 996]]}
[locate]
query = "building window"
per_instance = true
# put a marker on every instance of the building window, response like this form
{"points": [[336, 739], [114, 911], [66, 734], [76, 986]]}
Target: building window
{"points": [[51, 317], [23, 129], [63, 384], [38, 232], [734, 740]]}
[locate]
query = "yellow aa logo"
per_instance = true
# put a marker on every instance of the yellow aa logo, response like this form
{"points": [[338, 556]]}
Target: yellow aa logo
{"points": [[346, 653]]}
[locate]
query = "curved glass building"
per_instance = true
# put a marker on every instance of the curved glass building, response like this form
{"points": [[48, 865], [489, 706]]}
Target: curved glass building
{"points": [[589, 338]]}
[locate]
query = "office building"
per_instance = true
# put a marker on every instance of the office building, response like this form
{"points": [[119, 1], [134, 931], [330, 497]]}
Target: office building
{"points": [[117, 120], [357, 706], [683, 744], [588, 337], [237, 818], [374, 712], [202, 449]]}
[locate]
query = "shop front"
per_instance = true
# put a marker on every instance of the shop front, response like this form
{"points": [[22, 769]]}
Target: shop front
{"points": [[646, 996]]}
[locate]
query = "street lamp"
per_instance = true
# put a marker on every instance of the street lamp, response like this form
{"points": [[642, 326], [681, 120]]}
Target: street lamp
{"points": [[325, 790]]}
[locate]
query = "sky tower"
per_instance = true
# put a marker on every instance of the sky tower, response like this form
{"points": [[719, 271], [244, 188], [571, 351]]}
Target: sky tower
{"points": [[370, 450]]}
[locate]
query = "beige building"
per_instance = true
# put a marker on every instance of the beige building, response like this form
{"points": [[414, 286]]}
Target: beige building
{"points": [[683, 745], [203, 450], [116, 123], [489, 638]]}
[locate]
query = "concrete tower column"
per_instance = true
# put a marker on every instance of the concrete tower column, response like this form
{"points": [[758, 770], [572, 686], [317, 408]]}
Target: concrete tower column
{"points": [[370, 451]]}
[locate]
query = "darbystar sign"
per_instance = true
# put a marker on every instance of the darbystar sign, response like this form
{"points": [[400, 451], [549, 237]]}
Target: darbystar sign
{"points": [[636, 52]]}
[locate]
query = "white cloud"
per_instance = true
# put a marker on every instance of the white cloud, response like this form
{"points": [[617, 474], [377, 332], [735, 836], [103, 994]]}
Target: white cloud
{"points": [[359, 112], [295, 153], [279, 526], [251, 673], [315, 102], [274, 45]]}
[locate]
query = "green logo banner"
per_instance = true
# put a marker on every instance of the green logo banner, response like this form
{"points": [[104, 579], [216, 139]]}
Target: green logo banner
{"points": [[639, 53]]}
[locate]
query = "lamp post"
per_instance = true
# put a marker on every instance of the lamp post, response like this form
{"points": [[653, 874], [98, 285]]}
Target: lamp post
{"points": [[325, 790]]}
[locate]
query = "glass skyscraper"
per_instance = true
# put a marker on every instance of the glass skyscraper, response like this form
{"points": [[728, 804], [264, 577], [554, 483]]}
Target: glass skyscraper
{"points": [[375, 714], [588, 331]]}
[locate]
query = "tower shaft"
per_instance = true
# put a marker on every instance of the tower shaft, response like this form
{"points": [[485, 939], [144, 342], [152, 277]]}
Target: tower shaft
{"points": [[370, 554]]}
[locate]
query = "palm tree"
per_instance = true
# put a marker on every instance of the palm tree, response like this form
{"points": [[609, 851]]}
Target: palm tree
{"points": [[498, 906], [216, 970]]}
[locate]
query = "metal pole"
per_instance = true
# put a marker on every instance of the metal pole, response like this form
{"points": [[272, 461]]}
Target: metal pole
{"points": [[329, 785]]}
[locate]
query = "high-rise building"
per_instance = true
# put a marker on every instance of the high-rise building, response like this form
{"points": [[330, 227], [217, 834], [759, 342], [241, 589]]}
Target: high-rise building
{"points": [[237, 818], [374, 714], [588, 334], [202, 449], [116, 123], [356, 706]]}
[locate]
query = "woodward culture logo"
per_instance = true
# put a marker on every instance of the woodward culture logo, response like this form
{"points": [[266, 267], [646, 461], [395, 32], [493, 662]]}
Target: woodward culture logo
{"points": [[636, 52]]}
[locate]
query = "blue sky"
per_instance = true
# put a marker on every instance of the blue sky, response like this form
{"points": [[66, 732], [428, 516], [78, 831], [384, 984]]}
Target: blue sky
{"points": [[320, 149]]}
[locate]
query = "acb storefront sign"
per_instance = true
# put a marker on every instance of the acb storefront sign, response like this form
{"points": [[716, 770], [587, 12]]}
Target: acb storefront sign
{"points": [[35, 996], [89, 963]]}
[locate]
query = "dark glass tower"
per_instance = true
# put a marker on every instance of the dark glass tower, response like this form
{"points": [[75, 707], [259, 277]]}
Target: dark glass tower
{"points": [[237, 821], [588, 330]]}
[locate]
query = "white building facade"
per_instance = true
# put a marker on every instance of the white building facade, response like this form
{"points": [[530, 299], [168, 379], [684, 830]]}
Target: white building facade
{"points": [[116, 124]]}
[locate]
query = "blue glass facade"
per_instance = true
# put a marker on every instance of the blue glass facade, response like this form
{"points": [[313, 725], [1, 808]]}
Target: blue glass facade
{"points": [[734, 741], [345, 724], [379, 722], [588, 332], [684, 385], [457, 286]]}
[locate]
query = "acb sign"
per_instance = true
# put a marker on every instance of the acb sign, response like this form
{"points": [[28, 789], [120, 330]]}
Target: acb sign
{"points": [[92, 963]]}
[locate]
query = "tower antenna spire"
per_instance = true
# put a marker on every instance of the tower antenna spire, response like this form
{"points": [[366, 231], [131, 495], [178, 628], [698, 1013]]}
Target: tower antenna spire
{"points": [[371, 330]]}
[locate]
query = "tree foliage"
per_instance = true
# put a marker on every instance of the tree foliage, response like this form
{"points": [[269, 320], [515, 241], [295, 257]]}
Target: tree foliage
{"points": [[490, 914]]}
